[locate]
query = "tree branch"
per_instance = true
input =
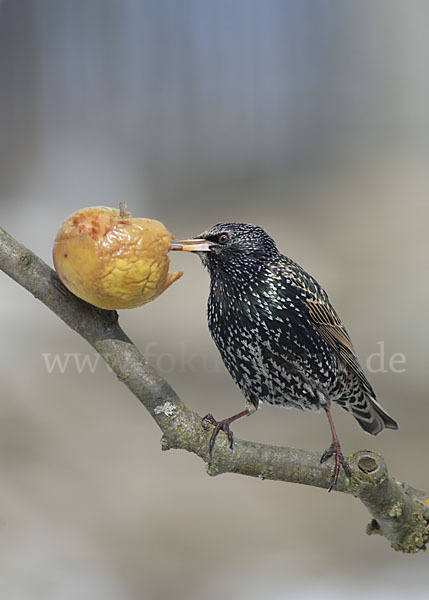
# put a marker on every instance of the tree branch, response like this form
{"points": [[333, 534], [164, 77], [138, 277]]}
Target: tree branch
{"points": [[399, 512]]}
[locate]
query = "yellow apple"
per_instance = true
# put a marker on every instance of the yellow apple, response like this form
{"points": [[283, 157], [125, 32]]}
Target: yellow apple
{"points": [[112, 260]]}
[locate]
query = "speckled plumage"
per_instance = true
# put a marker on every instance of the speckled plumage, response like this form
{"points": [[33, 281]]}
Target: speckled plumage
{"points": [[276, 330]]}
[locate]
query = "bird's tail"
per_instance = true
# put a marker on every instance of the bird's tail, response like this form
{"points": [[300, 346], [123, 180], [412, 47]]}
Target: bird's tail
{"points": [[370, 416]]}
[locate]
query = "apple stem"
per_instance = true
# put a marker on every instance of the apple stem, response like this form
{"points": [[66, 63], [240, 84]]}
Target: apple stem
{"points": [[122, 209]]}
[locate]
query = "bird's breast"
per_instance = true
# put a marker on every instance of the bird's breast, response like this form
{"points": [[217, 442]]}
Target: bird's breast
{"points": [[268, 348]]}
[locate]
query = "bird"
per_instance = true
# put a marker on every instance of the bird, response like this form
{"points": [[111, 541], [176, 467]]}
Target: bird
{"points": [[279, 336]]}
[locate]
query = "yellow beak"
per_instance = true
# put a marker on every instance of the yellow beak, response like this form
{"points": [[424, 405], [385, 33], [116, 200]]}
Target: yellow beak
{"points": [[192, 245]]}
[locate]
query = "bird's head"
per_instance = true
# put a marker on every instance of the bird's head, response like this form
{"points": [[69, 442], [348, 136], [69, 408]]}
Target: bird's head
{"points": [[231, 246]]}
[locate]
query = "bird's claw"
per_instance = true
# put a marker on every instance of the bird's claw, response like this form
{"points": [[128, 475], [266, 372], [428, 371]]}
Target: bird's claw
{"points": [[340, 461], [218, 426]]}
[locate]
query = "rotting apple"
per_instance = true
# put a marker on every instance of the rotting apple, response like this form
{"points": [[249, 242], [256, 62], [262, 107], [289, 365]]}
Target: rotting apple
{"points": [[112, 260]]}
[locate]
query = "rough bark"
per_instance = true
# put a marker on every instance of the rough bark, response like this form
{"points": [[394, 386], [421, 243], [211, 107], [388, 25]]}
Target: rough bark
{"points": [[399, 512]]}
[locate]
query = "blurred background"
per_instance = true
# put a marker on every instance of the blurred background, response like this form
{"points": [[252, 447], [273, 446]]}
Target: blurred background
{"points": [[309, 118]]}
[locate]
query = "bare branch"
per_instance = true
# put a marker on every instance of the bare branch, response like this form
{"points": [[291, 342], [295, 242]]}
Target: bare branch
{"points": [[400, 512]]}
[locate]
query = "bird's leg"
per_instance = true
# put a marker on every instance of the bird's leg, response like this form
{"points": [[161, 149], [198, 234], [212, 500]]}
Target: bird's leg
{"points": [[335, 448], [224, 425]]}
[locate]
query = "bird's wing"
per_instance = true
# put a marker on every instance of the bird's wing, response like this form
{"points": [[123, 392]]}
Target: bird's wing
{"points": [[323, 315]]}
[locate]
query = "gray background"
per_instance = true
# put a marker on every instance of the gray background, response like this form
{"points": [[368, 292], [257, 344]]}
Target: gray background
{"points": [[307, 117]]}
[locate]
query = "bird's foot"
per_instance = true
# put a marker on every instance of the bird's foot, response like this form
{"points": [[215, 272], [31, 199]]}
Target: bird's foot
{"points": [[218, 426], [340, 461]]}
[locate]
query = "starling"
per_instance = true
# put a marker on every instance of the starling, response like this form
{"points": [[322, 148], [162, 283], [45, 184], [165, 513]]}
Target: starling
{"points": [[278, 334]]}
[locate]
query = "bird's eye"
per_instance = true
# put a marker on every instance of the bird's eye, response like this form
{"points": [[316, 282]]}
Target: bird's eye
{"points": [[223, 238]]}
